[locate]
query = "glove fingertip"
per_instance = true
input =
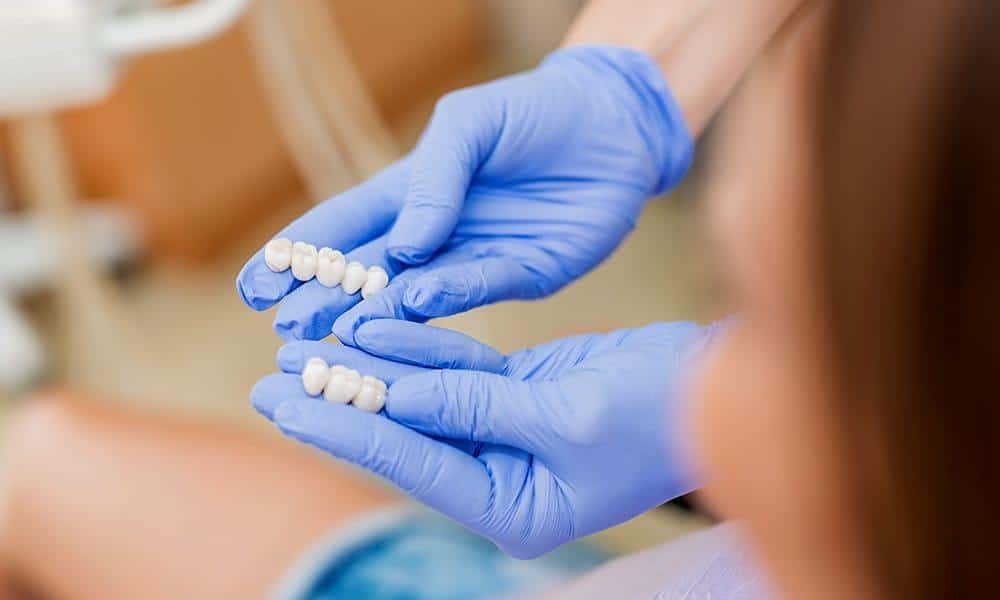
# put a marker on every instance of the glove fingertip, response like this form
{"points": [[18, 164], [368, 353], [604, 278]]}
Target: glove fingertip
{"points": [[289, 330], [289, 357], [245, 294], [258, 291], [343, 329], [405, 243], [266, 395], [368, 338]]}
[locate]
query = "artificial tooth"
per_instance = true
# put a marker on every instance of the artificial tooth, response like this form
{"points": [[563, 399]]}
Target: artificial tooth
{"points": [[343, 386], [330, 267], [354, 278], [315, 376], [278, 254], [376, 282], [371, 396], [303, 261]]}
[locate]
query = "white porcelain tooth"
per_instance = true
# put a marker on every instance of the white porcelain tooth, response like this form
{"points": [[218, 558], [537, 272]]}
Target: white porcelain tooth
{"points": [[376, 282], [278, 254], [315, 376], [330, 267], [343, 386], [371, 396], [303, 261], [354, 277]]}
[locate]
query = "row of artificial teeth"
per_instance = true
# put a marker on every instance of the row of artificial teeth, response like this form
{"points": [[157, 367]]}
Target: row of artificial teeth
{"points": [[327, 265], [341, 385]]}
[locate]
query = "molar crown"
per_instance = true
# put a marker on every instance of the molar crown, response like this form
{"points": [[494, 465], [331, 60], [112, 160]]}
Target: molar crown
{"points": [[371, 396], [376, 281], [304, 261], [278, 254], [330, 267], [355, 277], [326, 265], [343, 386], [315, 376]]}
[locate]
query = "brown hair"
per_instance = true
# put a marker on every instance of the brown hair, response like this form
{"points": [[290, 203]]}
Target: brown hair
{"points": [[909, 236]]}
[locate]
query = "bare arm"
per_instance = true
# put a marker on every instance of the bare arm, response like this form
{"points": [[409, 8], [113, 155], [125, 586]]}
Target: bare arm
{"points": [[703, 46]]}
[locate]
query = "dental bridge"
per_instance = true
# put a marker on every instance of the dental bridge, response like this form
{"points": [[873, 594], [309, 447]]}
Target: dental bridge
{"points": [[328, 266], [341, 385]]}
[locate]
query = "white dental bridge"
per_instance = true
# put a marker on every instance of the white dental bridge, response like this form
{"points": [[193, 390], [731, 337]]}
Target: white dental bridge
{"points": [[327, 265], [341, 385]]}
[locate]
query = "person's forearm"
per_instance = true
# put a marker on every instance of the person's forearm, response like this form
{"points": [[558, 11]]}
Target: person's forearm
{"points": [[703, 46], [648, 25]]}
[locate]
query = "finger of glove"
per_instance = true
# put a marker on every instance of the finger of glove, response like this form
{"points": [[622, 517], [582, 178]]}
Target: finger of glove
{"points": [[308, 313], [470, 405], [268, 393], [456, 288], [292, 358], [342, 222], [427, 470], [446, 158], [427, 346], [388, 304]]}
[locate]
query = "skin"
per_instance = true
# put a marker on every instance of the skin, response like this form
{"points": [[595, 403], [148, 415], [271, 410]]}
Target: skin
{"points": [[98, 502], [765, 433], [703, 46]]}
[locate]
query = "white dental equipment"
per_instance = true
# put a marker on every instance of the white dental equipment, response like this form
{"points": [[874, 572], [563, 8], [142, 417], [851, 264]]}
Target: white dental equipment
{"points": [[341, 385], [278, 254], [354, 277], [375, 282], [62, 53], [57, 54], [327, 265], [330, 267], [304, 259], [21, 355]]}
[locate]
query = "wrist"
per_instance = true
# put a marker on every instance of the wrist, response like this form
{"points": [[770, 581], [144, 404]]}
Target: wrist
{"points": [[646, 26], [637, 86]]}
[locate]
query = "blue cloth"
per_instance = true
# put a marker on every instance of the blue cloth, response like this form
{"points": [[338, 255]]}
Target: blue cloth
{"points": [[425, 557]]}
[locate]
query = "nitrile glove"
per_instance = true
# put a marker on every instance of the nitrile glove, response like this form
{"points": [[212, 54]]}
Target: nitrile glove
{"points": [[516, 188], [530, 450]]}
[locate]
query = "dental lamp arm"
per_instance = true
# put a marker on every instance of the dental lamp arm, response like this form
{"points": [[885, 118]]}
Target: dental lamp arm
{"points": [[55, 55], [164, 29]]}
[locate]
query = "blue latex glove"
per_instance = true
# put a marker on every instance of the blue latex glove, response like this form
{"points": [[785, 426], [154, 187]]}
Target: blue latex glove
{"points": [[517, 188], [530, 450]]}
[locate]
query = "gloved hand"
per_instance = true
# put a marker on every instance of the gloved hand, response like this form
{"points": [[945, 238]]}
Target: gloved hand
{"points": [[530, 450], [517, 187]]}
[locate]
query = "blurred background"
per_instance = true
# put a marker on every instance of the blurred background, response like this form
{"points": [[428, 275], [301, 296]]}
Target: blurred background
{"points": [[124, 218]]}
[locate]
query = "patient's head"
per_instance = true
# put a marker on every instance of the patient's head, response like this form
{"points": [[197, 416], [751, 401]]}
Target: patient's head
{"points": [[850, 418]]}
